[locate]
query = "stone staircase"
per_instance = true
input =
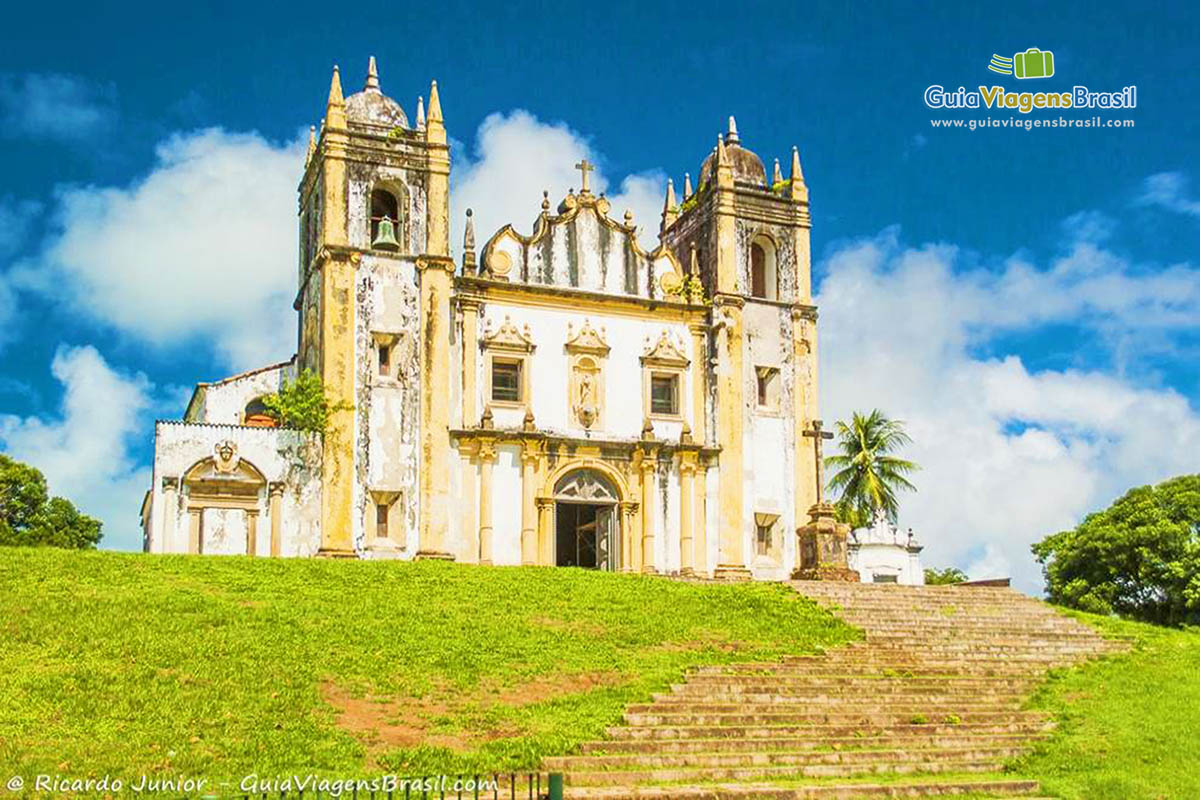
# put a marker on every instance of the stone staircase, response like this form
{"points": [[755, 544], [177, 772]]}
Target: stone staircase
{"points": [[929, 704]]}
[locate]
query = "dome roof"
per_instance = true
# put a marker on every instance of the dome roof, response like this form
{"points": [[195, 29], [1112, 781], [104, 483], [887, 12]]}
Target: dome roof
{"points": [[747, 166], [373, 107]]}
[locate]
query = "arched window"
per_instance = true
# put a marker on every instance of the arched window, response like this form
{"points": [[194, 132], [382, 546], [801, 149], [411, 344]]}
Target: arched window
{"points": [[764, 282], [258, 416], [386, 224]]}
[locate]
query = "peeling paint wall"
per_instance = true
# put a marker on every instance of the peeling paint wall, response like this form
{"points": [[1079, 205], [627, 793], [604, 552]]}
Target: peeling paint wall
{"points": [[282, 456]]}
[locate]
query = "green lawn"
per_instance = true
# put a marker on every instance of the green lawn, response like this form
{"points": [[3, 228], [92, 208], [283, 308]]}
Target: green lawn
{"points": [[122, 663], [1129, 725]]}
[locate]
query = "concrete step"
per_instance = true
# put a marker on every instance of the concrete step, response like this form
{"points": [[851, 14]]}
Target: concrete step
{"points": [[782, 772], [824, 731], [827, 791], [770, 758], [866, 715], [911, 741]]}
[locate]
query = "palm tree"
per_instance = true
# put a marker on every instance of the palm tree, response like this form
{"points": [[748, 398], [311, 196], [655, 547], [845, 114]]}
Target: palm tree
{"points": [[867, 476]]}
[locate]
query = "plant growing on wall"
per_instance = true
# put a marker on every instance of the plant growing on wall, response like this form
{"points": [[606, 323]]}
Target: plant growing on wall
{"points": [[302, 404]]}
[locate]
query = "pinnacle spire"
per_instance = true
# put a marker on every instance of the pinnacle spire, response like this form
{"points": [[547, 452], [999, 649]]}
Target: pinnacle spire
{"points": [[312, 142], [797, 174], [722, 158], [435, 103], [732, 135], [335, 89], [687, 185], [335, 109], [372, 76], [670, 211], [469, 264], [420, 112], [778, 173]]}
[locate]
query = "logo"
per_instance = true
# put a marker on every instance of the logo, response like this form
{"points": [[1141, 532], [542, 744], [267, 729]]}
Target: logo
{"points": [[1033, 63]]}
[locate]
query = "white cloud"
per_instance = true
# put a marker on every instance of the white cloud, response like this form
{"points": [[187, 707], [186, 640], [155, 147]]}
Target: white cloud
{"points": [[1169, 190], [55, 106], [517, 156], [1008, 454], [200, 250], [84, 450]]}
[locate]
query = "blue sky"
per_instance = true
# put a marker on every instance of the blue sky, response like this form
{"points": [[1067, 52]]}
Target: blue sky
{"points": [[1032, 293]]}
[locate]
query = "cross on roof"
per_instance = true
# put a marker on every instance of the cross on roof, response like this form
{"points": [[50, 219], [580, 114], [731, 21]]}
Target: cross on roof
{"points": [[819, 436], [584, 168]]}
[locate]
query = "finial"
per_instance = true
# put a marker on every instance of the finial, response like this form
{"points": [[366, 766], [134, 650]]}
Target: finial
{"points": [[648, 429], [722, 158], [545, 200], [732, 136], [778, 173], [312, 142], [685, 433], [335, 109], [687, 185], [797, 174], [435, 104], [469, 263], [421, 111], [527, 424], [372, 76], [799, 192], [670, 211], [485, 421], [628, 218]]}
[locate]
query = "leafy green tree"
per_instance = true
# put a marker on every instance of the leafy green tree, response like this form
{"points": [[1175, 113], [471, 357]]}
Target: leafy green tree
{"points": [[868, 475], [30, 517], [944, 577], [1139, 558], [302, 404]]}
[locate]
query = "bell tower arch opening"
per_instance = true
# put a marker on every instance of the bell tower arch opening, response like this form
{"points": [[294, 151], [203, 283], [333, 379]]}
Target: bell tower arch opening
{"points": [[586, 521]]}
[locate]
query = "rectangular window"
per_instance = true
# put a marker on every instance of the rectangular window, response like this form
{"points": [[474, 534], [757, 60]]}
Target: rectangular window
{"points": [[381, 520], [762, 540], [385, 359], [768, 387], [506, 381], [664, 394]]}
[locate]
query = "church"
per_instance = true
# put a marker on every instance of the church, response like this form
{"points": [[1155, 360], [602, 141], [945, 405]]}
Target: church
{"points": [[557, 395]]}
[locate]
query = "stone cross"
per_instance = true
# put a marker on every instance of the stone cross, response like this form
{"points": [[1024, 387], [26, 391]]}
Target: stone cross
{"points": [[819, 435], [584, 168]]}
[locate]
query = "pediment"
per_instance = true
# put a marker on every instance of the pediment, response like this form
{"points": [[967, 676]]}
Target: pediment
{"points": [[664, 352], [509, 337], [587, 340]]}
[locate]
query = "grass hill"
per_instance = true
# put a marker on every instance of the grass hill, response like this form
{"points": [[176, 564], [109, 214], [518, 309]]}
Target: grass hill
{"points": [[123, 663]]}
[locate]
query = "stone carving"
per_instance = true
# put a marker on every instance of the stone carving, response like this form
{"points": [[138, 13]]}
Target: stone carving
{"points": [[509, 337], [585, 485], [664, 352], [225, 457]]}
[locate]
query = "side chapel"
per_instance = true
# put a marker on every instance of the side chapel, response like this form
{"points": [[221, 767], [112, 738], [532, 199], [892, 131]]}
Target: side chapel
{"points": [[557, 397]]}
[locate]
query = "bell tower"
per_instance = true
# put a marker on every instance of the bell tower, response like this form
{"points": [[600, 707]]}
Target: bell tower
{"points": [[746, 236], [373, 294]]}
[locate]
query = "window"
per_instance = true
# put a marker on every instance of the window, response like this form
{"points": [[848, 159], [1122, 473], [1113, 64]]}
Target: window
{"points": [[664, 394], [758, 270], [878, 578], [385, 220], [768, 387], [381, 520], [506, 380], [762, 540], [763, 276], [385, 359]]}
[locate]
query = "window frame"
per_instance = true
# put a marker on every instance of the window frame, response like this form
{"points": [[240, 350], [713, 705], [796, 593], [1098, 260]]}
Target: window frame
{"points": [[522, 387]]}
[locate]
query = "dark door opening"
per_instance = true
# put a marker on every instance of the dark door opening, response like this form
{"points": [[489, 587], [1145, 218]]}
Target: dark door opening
{"points": [[583, 536]]}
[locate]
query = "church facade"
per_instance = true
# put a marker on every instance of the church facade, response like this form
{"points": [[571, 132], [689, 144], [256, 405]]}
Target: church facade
{"points": [[560, 396]]}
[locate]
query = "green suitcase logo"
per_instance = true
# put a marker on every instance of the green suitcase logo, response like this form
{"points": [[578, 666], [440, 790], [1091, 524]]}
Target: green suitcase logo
{"points": [[1033, 63]]}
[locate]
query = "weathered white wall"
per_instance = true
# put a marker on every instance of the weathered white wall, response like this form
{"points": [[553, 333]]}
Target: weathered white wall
{"points": [[506, 506], [628, 338], [275, 453], [225, 401]]}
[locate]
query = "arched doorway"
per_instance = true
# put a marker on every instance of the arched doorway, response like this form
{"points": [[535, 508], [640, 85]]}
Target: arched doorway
{"points": [[585, 521]]}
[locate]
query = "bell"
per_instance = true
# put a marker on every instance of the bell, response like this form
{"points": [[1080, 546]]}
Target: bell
{"points": [[385, 236]]}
